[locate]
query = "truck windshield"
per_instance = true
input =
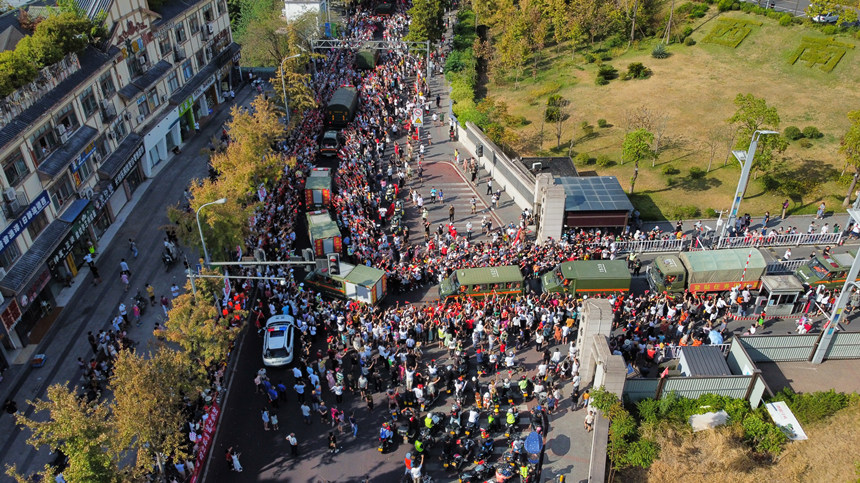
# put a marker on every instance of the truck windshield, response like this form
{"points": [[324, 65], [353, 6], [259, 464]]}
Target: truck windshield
{"points": [[658, 275], [455, 285], [817, 268]]}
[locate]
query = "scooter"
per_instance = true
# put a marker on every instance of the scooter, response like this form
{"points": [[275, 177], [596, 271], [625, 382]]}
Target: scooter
{"points": [[167, 259]]}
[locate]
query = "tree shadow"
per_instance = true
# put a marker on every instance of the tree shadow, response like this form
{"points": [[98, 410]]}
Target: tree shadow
{"points": [[690, 183], [648, 210]]}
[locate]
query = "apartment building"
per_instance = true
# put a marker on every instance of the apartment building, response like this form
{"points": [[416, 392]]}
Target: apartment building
{"points": [[77, 142]]}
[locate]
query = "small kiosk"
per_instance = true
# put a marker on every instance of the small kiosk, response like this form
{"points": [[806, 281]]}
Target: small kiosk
{"points": [[324, 234], [779, 295], [356, 282], [318, 190]]}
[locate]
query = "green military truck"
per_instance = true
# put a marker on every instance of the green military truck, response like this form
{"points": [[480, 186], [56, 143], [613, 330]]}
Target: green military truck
{"points": [[587, 277], [830, 270], [707, 271], [353, 282], [482, 282]]}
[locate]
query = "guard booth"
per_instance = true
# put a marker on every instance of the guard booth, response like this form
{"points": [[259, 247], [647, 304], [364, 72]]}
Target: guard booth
{"points": [[318, 189], [324, 233], [355, 282], [779, 295]]}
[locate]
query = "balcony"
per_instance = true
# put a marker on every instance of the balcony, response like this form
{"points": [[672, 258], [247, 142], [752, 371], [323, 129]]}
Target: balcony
{"points": [[14, 203], [108, 112]]}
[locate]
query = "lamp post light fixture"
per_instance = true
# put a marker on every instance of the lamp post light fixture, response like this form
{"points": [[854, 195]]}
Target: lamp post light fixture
{"points": [[200, 227], [746, 161]]}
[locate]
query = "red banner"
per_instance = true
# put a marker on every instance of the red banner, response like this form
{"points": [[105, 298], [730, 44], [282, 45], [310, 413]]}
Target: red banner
{"points": [[206, 439]]}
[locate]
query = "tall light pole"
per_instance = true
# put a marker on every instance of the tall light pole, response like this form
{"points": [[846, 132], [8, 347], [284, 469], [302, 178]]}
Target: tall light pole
{"points": [[200, 227], [284, 84], [746, 161]]}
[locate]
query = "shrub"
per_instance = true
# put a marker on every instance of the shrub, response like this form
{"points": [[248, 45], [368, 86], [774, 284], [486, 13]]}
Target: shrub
{"points": [[785, 20], [724, 5], [689, 41], [587, 129], [829, 30], [670, 170], [604, 56], [688, 211], [805, 143], [590, 58], [736, 6], [688, 31], [602, 123], [603, 160], [615, 41], [764, 436], [711, 213], [638, 71], [813, 406], [697, 173], [607, 71], [582, 159], [601, 81], [792, 133], [812, 132], [659, 52]]}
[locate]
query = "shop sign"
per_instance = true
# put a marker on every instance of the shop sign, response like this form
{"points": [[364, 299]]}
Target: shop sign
{"points": [[199, 91], [185, 106], [30, 295], [16, 227], [11, 315], [104, 196], [79, 228], [80, 160], [126, 169]]}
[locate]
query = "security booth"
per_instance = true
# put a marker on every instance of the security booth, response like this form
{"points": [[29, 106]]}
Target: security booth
{"points": [[355, 282], [779, 295], [318, 188], [324, 233]]}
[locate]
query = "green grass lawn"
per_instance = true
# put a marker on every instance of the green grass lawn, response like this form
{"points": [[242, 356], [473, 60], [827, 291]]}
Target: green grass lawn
{"points": [[693, 90]]}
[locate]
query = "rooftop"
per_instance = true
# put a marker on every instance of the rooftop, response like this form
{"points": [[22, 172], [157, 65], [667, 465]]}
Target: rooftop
{"points": [[598, 193], [558, 166]]}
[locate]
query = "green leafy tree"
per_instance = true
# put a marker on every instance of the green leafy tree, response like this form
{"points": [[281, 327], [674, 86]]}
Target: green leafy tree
{"points": [[821, 7], [637, 147], [752, 115], [149, 395], [426, 21], [82, 430], [850, 148], [300, 96], [197, 325]]}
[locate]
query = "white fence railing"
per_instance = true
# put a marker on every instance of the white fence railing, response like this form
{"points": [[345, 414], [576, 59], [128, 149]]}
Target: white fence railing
{"points": [[779, 240], [781, 267]]}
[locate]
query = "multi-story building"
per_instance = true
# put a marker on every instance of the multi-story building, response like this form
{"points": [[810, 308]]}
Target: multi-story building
{"points": [[78, 141]]}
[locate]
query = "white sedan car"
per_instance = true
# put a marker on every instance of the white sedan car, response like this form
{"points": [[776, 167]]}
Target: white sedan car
{"points": [[831, 17], [278, 340]]}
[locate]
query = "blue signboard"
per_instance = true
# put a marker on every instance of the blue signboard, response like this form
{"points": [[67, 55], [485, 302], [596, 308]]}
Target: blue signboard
{"points": [[16, 227]]}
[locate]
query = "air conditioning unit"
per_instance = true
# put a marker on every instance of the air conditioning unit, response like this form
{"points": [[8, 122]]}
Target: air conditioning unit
{"points": [[140, 118], [10, 194], [164, 98], [210, 28], [88, 193], [14, 206], [97, 157]]}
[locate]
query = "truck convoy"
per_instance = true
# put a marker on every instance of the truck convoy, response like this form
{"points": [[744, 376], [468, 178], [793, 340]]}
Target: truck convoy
{"points": [[584, 276], [342, 107]]}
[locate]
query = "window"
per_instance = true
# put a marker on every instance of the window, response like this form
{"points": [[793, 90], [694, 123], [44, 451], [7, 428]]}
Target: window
{"points": [[9, 255], [172, 82], [188, 70], [88, 102], [142, 106], [37, 225], [201, 58], [15, 168], [222, 7], [119, 130], [44, 140], [61, 192], [106, 85], [194, 24], [154, 101], [207, 13], [83, 172], [164, 44], [179, 31], [66, 119]]}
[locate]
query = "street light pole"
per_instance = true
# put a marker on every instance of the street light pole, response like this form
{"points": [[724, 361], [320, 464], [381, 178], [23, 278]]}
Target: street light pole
{"points": [[746, 161], [200, 227], [284, 85]]}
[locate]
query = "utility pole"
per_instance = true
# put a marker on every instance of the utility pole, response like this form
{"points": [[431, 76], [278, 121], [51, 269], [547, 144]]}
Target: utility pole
{"points": [[746, 161]]}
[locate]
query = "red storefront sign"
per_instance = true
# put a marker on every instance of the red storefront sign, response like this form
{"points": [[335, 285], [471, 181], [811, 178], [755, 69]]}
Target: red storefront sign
{"points": [[11, 315]]}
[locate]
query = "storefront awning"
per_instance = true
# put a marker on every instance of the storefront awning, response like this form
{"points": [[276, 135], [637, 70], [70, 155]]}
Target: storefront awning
{"points": [[32, 263], [79, 215], [123, 153], [60, 159], [205, 73]]}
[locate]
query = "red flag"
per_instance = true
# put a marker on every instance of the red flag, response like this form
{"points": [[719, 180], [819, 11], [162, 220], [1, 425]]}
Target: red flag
{"points": [[665, 373]]}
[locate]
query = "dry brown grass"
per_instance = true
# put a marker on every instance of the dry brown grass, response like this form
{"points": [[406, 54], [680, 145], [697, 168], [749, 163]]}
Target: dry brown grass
{"points": [[695, 87], [719, 456]]}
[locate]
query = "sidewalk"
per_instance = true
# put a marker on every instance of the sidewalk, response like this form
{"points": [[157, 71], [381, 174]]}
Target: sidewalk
{"points": [[87, 307]]}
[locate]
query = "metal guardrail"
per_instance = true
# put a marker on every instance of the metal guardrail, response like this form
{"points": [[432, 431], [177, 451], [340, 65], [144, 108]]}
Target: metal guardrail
{"points": [[784, 266], [779, 240]]}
